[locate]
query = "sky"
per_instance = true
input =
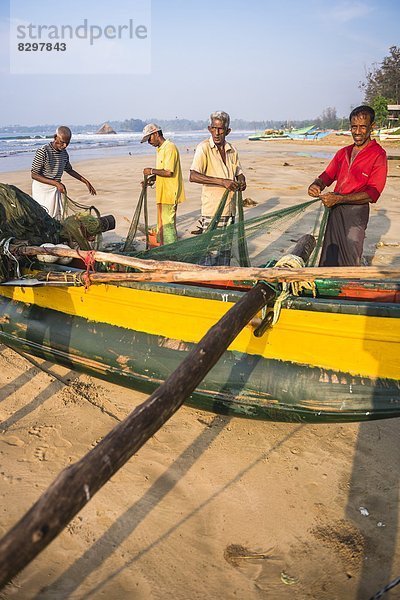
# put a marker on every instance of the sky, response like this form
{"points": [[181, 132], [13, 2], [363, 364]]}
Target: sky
{"points": [[256, 59]]}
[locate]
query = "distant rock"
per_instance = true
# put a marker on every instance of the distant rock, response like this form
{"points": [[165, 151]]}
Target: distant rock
{"points": [[106, 128]]}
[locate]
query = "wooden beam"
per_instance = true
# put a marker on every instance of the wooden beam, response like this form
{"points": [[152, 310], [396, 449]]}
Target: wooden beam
{"points": [[179, 272], [105, 257], [210, 274]]}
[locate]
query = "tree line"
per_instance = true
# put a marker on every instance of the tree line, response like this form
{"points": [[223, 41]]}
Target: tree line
{"points": [[382, 85]]}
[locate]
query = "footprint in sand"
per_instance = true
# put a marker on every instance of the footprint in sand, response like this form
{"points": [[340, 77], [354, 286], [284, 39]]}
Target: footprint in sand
{"points": [[40, 453], [35, 431]]}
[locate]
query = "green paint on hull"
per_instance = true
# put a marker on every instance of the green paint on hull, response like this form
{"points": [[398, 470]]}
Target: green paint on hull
{"points": [[240, 384]]}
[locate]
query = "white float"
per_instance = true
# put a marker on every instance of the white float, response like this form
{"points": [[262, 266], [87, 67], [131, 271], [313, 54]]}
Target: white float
{"points": [[47, 258]]}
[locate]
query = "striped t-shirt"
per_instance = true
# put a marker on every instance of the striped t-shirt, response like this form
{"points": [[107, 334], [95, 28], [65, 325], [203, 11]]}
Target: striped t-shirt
{"points": [[51, 163]]}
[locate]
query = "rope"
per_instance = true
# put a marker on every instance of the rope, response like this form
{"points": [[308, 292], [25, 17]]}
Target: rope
{"points": [[5, 250], [289, 261], [387, 587], [89, 261]]}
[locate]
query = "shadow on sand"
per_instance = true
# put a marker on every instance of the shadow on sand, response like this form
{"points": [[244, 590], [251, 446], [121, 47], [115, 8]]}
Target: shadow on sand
{"points": [[373, 500]]}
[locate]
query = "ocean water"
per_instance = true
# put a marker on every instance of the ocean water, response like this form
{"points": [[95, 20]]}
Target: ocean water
{"points": [[17, 150]]}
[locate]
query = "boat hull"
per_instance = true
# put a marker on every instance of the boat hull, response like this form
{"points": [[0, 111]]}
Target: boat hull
{"points": [[137, 335]]}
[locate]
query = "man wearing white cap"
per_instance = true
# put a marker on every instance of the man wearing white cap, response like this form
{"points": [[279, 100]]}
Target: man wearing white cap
{"points": [[169, 182]]}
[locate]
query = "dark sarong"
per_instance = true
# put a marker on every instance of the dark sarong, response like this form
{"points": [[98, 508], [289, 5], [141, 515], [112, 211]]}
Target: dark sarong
{"points": [[344, 235]]}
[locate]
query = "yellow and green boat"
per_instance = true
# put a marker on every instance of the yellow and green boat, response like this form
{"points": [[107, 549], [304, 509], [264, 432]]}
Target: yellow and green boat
{"points": [[331, 358]]}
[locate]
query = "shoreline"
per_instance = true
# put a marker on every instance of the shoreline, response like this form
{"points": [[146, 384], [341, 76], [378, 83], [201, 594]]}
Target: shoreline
{"points": [[103, 146], [80, 155]]}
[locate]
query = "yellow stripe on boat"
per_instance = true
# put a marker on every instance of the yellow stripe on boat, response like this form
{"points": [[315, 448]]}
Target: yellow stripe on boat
{"points": [[357, 344]]}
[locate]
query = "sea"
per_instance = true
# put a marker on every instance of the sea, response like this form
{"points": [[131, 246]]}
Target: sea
{"points": [[17, 150]]}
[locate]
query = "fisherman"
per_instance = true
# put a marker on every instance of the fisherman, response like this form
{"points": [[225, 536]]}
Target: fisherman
{"points": [[216, 166], [169, 183], [48, 166], [360, 173]]}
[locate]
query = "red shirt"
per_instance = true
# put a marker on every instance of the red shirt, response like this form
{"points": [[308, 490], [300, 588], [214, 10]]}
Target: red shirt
{"points": [[367, 173]]}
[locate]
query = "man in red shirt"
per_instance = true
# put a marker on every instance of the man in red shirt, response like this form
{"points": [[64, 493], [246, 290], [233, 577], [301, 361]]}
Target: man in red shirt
{"points": [[360, 173]]}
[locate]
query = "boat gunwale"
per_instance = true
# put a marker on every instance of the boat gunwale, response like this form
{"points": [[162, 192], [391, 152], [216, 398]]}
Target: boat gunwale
{"points": [[327, 304]]}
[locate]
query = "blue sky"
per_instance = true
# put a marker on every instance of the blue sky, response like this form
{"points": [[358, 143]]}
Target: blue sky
{"points": [[287, 59]]}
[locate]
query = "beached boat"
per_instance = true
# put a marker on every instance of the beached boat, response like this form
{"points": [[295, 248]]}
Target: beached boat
{"points": [[270, 134], [389, 137], [311, 132], [331, 358]]}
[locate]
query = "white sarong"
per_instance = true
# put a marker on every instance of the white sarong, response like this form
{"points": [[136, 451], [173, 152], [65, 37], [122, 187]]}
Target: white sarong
{"points": [[49, 198]]}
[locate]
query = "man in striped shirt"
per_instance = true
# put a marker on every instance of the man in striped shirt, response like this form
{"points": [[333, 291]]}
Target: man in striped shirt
{"points": [[48, 166]]}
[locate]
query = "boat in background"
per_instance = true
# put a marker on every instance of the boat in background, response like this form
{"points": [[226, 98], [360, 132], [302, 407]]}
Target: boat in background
{"points": [[270, 134], [311, 132], [391, 133]]}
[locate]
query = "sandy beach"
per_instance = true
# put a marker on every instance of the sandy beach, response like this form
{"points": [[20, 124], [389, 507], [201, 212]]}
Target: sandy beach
{"points": [[211, 507]]}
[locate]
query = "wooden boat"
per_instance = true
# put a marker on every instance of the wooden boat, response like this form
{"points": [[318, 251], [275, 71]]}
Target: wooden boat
{"points": [[389, 133], [331, 358]]}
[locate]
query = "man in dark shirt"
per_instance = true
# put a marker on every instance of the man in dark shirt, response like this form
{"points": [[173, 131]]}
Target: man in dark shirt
{"points": [[48, 166], [360, 173]]}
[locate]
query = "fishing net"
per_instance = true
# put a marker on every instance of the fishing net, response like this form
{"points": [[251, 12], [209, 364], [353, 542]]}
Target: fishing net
{"points": [[81, 221], [141, 206], [228, 244], [22, 218]]}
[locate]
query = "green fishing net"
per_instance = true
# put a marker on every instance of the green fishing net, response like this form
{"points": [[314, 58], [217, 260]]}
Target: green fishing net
{"points": [[22, 218], [82, 224], [232, 240]]}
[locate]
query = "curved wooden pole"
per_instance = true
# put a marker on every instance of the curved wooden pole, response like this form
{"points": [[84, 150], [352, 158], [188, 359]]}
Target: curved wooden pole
{"points": [[216, 274], [171, 271]]}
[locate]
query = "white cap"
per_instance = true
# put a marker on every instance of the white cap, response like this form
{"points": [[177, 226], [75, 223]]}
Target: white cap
{"points": [[148, 130]]}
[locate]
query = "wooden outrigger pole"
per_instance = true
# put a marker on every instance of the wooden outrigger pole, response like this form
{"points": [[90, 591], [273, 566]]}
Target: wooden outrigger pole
{"points": [[221, 274], [171, 271]]}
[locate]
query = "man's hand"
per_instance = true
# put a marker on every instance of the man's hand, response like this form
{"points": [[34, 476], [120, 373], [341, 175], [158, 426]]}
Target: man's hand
{"points": [[330, 199], [60, 187], [147, 171], [89, 186], [241, 179], [314, 190], [230, 185], [149, 180]]}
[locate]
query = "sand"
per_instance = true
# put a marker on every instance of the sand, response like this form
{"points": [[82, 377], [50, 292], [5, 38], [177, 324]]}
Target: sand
{"points": [[211, 507]]}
